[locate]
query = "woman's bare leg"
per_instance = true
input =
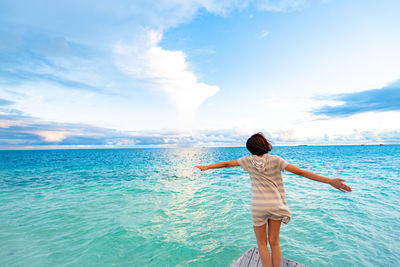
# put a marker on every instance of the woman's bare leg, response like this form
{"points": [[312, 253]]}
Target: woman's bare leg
{"points": [[261, 235], [273, 239]]}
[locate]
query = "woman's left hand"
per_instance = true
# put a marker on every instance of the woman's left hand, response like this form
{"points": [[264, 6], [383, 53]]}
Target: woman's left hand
{"points": [[202, 168]]}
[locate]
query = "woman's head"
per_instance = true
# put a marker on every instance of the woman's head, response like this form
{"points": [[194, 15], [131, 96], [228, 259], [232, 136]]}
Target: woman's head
{"points": [[257, 144]]}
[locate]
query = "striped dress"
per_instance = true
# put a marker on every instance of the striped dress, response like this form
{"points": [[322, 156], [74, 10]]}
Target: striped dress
{"points": [[268, 199]]}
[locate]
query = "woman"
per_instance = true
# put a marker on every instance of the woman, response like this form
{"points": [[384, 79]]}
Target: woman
{"points": [[268, 198]]}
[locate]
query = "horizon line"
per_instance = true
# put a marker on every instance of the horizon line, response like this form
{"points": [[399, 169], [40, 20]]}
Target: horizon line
{"points": [[88, 147]]}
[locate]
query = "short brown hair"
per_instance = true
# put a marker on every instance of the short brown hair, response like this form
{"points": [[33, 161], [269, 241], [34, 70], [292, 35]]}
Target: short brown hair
{"points": [[257, 144]]}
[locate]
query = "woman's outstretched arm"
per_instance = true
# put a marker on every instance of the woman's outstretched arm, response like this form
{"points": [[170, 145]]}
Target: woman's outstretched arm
{"points": [[218, 165], [336, 183]]}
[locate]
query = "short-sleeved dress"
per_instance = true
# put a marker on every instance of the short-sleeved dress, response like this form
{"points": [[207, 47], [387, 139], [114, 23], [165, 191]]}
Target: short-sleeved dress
{"points": [[268, 198]]}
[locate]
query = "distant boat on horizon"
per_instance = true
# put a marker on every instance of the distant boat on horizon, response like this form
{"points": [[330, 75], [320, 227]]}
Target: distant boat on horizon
{"points": [[381, 144]]}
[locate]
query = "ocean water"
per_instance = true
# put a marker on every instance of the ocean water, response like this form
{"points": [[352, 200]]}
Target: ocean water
{"points": [[151, 207]]}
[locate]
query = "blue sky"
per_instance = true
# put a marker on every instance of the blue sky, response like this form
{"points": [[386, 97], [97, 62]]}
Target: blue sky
{"points": [[198, 73]]}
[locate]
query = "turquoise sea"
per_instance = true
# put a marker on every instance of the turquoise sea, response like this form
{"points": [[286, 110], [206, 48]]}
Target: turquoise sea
{"points": [[151, 207]]}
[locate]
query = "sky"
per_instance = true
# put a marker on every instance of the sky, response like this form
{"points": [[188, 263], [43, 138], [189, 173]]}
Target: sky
{"points": [[198, 73]]}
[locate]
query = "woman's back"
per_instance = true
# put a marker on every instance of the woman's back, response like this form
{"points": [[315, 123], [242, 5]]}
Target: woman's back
{"points": [[268, 198]]}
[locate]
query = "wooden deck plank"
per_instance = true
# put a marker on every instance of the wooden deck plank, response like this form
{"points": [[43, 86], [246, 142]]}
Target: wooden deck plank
{"points": [[247, 257], [251, 258], [255, 259]]}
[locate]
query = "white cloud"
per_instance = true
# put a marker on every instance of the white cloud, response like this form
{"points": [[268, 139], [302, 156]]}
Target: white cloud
{"points": [[170, 13], [51, 136], [4, 124], [278, 5], [262, 34], [164, 70], [54, 135]]}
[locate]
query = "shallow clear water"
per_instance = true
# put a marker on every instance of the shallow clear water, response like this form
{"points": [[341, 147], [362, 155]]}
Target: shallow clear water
{"points": [[151, 207]]}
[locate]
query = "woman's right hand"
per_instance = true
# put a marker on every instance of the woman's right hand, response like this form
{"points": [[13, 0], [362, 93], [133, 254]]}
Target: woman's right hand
{"points": [[337, 183]]}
